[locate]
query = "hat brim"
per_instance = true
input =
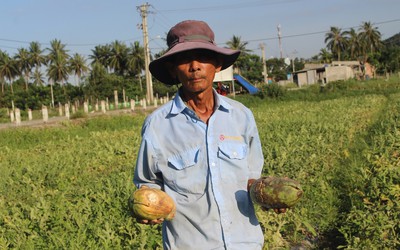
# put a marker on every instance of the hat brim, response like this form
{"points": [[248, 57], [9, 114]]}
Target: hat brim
{"points": [[159, 70]]}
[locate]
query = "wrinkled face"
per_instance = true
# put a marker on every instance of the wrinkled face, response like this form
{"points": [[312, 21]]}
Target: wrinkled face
{"points": [[196, 69]]}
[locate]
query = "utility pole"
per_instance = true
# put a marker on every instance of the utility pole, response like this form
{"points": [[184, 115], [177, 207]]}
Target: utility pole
{"points": [[293, 54], [149, 83], [280, 42], [262, 46]]}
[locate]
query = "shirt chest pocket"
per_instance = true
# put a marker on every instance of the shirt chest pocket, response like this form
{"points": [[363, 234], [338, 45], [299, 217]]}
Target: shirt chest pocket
{"points": [[187, 173], [233, 161]]}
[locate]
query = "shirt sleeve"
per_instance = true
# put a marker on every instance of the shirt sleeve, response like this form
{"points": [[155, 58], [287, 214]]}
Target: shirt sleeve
{"points": [[146, 166], [256, 157]]}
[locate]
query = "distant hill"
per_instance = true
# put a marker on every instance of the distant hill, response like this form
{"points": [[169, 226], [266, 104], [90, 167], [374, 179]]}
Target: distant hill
{"points": [[393, 40]]}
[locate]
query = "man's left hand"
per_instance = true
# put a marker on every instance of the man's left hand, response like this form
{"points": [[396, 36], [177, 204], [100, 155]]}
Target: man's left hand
{"points": [[276, 210]]}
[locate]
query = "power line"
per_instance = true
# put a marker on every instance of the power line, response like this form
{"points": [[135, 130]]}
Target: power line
{"points": [[316, 32], [70, 44], [231, 6], [251, 40]]}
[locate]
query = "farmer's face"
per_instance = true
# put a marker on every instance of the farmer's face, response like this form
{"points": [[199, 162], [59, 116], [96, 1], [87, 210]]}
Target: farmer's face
{"points": [[196, 69]]}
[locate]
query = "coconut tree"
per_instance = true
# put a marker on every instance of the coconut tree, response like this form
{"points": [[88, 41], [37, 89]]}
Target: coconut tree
{"points": [[101, 54], [135, 62], [96, 74], [370, 38], [236, 43], [8, 70], [77, 64], [37, 77], [24, 64], [353, 43], [36, 55], [325, 56], [57, 49], [336, 41], [58, 71], [3, 60], [118, 57]]}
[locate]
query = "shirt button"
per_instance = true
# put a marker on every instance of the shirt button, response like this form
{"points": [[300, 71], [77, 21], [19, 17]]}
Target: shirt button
{"points": [[234, 153], [213, 164]]}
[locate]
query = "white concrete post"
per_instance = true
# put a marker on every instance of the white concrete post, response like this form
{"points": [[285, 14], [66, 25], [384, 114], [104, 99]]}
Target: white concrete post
{"points": [[116, 99], [12, 116], [144, 104], [17, 116], [123, 97], [60, 110], [67, 110], [30, 114], [133, 103], [155, 102], [103, 107], [45, 114], [86, 107]]}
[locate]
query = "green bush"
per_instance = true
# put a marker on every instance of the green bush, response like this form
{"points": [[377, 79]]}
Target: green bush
{"points": [[79, 114], [272, 90]]}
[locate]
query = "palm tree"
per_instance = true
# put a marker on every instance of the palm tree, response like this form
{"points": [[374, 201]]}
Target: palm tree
{"points": [[325, 55], [98, 71], [370, 38], [101, 54], [118, 57], [135, 63], [336, 41], [24, 64], [96, 74], [58, 71], [78, 66], [353, 43], [237, 44], [3, 60], [37, 77], [8, 70], [36, 55], [57, 49]]}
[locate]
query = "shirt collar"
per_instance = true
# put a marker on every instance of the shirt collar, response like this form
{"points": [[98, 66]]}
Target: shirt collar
{"points": [[221, 102], [178, 105]]}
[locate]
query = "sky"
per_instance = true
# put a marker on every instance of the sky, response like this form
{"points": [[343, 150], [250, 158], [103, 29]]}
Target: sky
{"points": [[83, 24]]}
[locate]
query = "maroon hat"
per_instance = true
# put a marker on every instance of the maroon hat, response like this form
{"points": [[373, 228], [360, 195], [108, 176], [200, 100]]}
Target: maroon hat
{"points": [[189, 35]]}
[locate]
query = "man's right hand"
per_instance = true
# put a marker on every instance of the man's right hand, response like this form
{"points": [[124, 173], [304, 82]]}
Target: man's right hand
{"points": [[249, 183]]}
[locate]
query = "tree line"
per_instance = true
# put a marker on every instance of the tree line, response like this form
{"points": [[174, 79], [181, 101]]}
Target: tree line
{"points": [[117, 66], [363, 45]]}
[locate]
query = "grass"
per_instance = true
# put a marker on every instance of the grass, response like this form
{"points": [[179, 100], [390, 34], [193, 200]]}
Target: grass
{"points": [[67, 187]]}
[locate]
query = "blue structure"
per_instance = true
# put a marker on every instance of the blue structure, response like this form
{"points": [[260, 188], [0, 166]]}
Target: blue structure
{"points": [[245, 84]]}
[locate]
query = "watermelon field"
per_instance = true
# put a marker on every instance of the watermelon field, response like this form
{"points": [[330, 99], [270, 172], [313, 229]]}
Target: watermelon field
{"points": [[67, 186]]}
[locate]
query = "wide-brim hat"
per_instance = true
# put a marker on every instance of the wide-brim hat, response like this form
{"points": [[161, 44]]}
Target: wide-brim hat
{"points": [[189, 35]]}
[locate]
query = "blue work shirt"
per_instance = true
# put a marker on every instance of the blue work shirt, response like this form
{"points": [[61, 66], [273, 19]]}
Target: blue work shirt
{"points": [[205, 169]]}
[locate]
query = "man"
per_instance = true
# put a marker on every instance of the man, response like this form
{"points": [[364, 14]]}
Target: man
{"points": [[201, 148]]}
